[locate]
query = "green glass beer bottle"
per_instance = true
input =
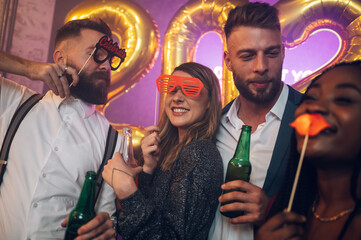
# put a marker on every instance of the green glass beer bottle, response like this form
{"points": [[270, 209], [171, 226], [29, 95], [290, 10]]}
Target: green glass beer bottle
{"points": [[84, 210], [239, 167]]}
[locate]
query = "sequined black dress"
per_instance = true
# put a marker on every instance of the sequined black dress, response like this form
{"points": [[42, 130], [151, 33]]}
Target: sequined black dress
{"points": [[175, 204]]}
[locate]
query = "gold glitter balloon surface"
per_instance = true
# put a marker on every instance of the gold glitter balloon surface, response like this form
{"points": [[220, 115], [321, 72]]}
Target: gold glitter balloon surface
{"points": [[300, 18]]}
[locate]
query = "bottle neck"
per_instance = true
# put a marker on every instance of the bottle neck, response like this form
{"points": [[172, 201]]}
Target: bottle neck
{"points": [[128, 148], [127, 144], [243, 146], [128, 154], [86, 200]]}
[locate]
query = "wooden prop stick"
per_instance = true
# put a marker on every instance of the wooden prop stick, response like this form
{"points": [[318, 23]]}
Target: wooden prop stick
{"points": [[155, 109], [71, 84], [295, 182]]}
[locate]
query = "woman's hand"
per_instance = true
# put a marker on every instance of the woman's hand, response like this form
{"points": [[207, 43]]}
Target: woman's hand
{"points": [[120, 176], [150, 149], [282, 226]]}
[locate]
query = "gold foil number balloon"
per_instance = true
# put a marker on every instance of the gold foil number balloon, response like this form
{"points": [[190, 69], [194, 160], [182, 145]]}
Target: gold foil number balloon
{"points": [[137, 33], [300, 18], [189, 24]]}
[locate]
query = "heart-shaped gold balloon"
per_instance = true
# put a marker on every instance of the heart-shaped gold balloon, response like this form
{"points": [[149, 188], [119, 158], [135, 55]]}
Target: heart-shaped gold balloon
{"points": [[299, 19], [137, 33]]}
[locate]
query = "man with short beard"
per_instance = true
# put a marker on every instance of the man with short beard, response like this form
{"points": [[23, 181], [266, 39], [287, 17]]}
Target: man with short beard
{"points": [[59, 140], [255, 57]]}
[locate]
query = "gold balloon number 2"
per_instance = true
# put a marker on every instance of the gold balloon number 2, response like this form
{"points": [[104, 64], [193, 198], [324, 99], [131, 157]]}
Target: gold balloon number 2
{"points": [[136, 32]]}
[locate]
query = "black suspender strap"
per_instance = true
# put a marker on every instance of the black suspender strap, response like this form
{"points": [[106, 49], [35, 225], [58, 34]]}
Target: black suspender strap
{"points": [[13, 127], [108, 153], [19, 115]]}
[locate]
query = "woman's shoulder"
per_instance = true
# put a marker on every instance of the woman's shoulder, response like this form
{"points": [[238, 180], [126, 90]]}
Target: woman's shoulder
{"points": [[204, 147], [199, 151], [201, 144], [201, 158]]}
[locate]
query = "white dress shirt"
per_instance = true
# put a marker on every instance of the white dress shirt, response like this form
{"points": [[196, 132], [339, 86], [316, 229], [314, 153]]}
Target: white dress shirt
{"points": [[56, 144], [262, 143]]}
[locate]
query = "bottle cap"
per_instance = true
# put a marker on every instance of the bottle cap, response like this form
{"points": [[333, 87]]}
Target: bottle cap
{"points": [[246, 127]]}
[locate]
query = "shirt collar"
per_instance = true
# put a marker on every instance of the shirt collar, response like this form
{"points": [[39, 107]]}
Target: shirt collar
{"points": [[277, 109], [280, 105], [232, 114], [83, 109]]}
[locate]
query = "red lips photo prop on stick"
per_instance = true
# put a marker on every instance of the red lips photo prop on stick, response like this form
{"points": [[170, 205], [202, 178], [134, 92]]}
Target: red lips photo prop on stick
{"points": [[309, 124], [305, 125]]}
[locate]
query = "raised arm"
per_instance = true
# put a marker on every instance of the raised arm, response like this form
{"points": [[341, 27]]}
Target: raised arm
{"points": [[53, 75]]}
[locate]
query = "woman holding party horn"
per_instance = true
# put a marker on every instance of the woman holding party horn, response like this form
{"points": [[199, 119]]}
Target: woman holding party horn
{"points": [[326, 203], [180, 179]]}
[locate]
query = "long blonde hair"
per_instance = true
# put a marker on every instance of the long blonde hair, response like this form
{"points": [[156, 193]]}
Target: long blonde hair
{"points": [[204, 129]]}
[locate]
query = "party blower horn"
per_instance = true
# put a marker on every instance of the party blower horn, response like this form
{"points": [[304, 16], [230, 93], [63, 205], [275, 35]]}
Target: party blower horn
{"points": [[305, 125]]}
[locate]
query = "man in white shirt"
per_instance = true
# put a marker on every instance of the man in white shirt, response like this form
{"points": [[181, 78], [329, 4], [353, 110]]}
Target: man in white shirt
{"points": [[255, 57], [59, 140]]}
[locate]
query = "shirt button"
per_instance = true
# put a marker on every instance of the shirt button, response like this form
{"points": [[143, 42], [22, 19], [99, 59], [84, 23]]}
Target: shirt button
{"points": [[67, 118], [44, 175], [35, 205], [56, 149], [66, 125]]}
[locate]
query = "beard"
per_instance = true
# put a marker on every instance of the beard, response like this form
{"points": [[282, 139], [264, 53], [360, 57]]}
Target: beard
{"points": [[258, 96], [89, 88]]}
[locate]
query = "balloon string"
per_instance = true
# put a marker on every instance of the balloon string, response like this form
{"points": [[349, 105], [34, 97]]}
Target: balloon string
{"points": [[297, 173], [155, 109]]}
